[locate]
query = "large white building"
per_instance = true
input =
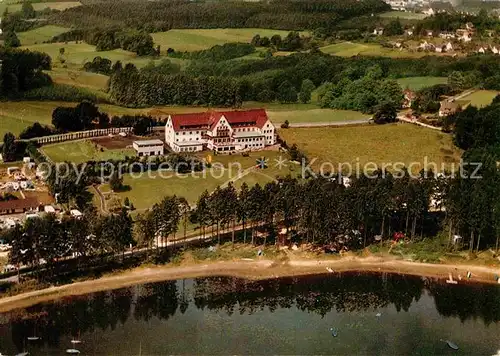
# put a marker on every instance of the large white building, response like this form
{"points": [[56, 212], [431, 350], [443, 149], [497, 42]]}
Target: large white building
{"points": [[149, 147], [221, 131]]}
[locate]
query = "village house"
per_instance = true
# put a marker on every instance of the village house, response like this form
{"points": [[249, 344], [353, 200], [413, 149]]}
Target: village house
{"points": [[226, 131], [18, 206], [426, 46], [429, 33], [449, 47], [378, 31], [464, 35], [494, 49], [489, 33], [409, 32], [448, 108], [409, 97], [481, 50], [447, 35]]}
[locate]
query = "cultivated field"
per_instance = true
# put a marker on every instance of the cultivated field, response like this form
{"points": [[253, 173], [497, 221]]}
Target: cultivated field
{"points": [[417, 83], [14, 6], [479, 98], [40, 34], [350, 49], [83, 151], [374, 143], [198, 39], [403, 15], [77, 54]]}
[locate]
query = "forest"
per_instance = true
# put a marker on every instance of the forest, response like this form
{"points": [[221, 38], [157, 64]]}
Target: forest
{"points": [[162, 16], [22, 70]]}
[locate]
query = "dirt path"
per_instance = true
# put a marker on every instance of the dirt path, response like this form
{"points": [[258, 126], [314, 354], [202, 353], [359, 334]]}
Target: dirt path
{"points": [[253, 269]]}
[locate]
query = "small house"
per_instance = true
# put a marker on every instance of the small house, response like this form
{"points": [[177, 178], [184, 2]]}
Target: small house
{"points": [[18, 206], [494, 49], [448, 108], [76, 213], [481, 50], [378, 31], [409, 97], [49, 209], [449, 47], [149, 147]]}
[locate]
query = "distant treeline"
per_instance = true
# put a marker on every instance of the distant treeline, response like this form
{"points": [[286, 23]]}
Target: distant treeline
{"points": [[228, 83], [162, 16], [136, 41]]}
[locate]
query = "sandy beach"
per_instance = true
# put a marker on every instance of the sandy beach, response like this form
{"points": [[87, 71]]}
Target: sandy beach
{"points": [[252, 269]]}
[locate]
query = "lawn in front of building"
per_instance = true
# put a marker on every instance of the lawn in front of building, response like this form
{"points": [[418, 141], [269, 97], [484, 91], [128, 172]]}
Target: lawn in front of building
{"points": [[83, 151]]}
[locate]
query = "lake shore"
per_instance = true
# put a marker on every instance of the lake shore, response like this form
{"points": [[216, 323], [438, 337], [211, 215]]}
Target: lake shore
{"points": [[253, 269]]}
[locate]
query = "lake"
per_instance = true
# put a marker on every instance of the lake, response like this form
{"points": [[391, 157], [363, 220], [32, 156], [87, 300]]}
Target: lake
{"points": [[376, 314]]}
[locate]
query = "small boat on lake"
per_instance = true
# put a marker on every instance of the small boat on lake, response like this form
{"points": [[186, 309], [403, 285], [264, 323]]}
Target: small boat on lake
{"points": [[72, 351], [334, 332]]}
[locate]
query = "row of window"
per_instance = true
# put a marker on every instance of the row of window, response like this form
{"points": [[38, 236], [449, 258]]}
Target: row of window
{"points": [[188, 149], [249, 139], [184, 140]]}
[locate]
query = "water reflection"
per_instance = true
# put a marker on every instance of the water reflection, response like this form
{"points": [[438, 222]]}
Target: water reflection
{"points": [[320, 295]]}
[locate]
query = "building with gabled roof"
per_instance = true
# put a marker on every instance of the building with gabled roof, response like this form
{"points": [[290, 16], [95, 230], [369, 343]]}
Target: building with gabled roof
{"points": [[220, 131]]}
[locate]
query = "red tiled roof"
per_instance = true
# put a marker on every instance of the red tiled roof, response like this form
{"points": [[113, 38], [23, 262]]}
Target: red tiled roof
{"points": [[192, 119], [254, 117], [19, 204]]}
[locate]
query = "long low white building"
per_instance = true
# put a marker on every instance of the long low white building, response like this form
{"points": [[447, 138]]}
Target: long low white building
{"points": [[221, 131], [149, 147]]}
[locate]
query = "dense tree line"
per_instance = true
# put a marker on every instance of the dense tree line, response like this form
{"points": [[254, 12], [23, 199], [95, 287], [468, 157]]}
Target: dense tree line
{"points": [[162, 16], [86, 116], [48, 239], [217, 53], [292, 42], [21, 70], [144, 88]]}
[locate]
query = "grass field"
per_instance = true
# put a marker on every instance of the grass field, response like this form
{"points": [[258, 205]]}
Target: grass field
{"points": [[417, 83], [403, 15], [94, 81], [350, 49], [479, 98], [83, 151], [198, 39], [76, 54], [40, 34], [315, 115], [374, 143], [14, 6]]}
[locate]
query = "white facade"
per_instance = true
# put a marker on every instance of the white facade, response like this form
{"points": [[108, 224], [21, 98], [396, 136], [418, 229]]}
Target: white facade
{"points": [[149, 147], [220, 131]]}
